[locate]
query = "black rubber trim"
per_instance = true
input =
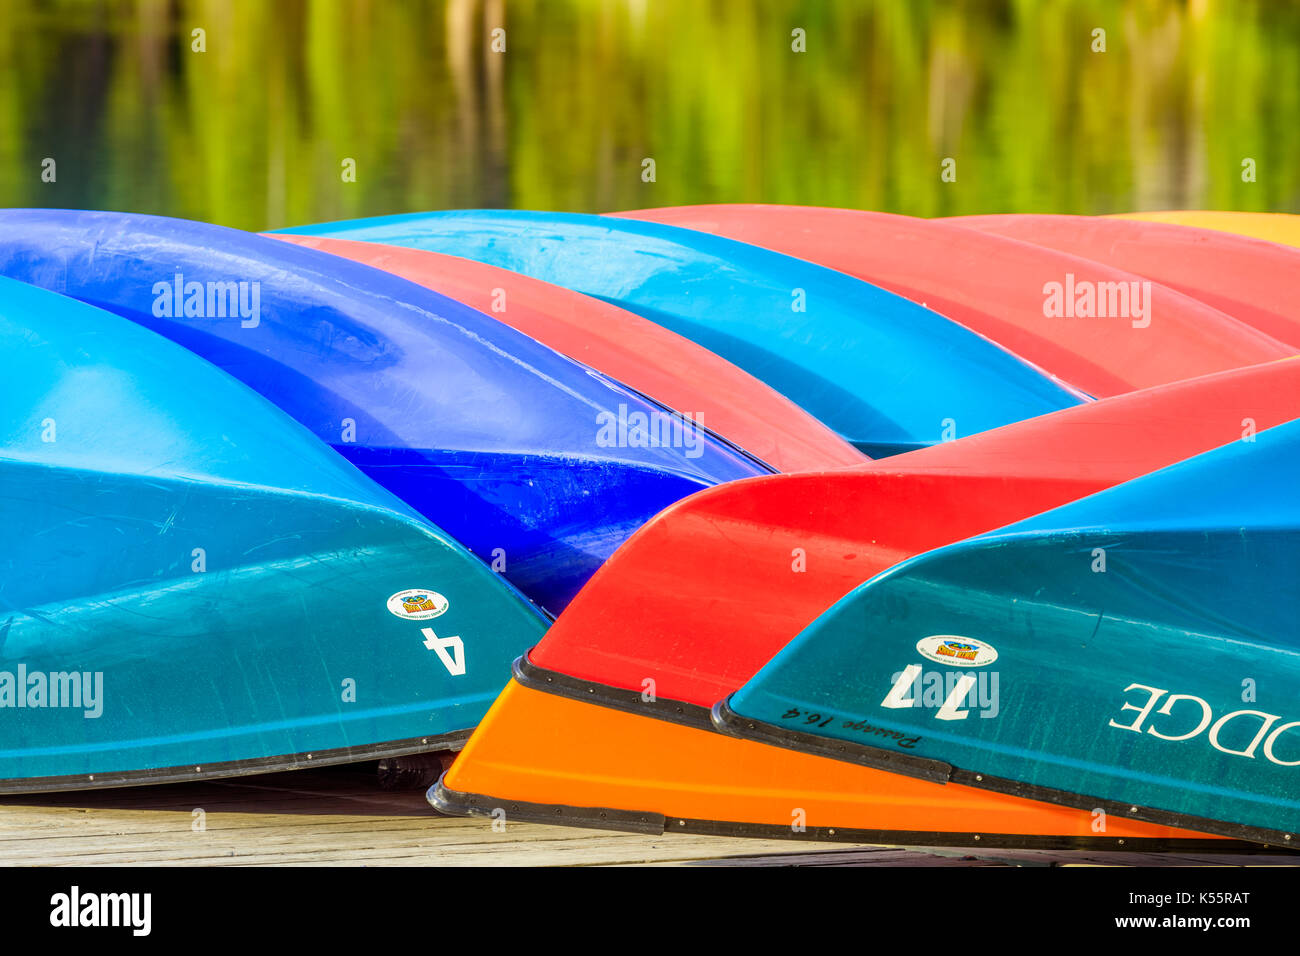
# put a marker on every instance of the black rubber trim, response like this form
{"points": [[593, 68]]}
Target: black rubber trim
{"points": [[728, 721], [616, 698], [235, 768], [457, 803]]}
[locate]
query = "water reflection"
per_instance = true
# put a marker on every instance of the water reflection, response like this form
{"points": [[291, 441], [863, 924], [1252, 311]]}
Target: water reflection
{"points": [[254, 131]]}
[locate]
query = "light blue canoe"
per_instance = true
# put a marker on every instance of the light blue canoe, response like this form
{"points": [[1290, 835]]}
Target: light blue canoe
{"points": [[192, 585], [536, 463], [885, 373], [1136, 651]]}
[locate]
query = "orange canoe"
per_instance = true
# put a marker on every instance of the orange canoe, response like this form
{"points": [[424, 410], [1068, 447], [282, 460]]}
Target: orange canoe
{"points": [[545, 757], [660, 364]]}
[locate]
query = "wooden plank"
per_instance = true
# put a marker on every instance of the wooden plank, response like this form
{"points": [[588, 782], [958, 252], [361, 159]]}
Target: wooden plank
{"points": [[338, 816]]}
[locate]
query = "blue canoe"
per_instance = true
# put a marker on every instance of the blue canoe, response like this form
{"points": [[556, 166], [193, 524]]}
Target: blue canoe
{"points": [[1137, 650], [192, 585], [885, 373], [534, 462]]}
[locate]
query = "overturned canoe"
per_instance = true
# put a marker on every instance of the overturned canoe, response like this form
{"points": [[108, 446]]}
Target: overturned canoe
{"points": [[1282, 228], [1254, 281], [192, 585], [606, 722], [534, 462], [668, 368], [1140, 646], [886, 374], [544, 754], [1100, 329]]}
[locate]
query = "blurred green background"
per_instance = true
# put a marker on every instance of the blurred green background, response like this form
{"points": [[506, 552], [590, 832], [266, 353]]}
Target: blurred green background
{"points": [[253, 131]]}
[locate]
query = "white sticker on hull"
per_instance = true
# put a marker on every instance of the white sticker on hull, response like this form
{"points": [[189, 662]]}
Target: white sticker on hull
{"points": [[956, 651], [417, 604]]}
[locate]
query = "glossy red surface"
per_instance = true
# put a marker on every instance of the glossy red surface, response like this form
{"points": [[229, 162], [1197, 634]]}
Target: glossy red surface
{"points": [[705, 593], [1254, 281], [995, 286]]}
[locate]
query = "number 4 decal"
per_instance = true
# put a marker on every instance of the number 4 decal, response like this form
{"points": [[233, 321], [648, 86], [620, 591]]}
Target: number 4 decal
{"points": [[451, 650]]}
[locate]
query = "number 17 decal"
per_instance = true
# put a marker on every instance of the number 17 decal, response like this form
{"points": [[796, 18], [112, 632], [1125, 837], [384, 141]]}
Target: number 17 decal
{"points": [[450, 650], [897, 696]]}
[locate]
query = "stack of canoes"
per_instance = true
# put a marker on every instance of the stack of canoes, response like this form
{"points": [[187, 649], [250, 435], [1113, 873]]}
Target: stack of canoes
{"points": [[764, 520]]}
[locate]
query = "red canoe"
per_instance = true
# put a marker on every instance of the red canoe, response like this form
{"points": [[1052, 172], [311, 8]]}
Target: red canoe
{"points": [[1255, 281], [711, 588], [1005, 289], [672, 370]]}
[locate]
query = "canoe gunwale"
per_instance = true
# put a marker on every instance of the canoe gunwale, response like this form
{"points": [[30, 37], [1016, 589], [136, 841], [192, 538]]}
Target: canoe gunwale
{"points": [[528, 674], [454, 740], [556, 683], [729, 722], [465, 804], [458, 803]]}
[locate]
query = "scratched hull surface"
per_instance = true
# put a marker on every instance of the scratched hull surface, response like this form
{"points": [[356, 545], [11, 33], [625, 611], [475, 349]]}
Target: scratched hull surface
{"points": [[527, 458], [886, 374], [667, 367], [192, 585], [1156, 679]]}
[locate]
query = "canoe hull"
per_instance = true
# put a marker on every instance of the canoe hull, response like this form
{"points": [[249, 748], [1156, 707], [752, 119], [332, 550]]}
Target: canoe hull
{"points": [[194, 586], [1134, 647], [885, 374], [669, 368], [1281, 228], [557, 750], [625, 681], [808, 540], [492, 436], [999, 288], [1255, 282]]}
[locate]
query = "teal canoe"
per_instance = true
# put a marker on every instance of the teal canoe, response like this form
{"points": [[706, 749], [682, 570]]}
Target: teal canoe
{"points": [[886, 374], [191, 584], [1136, 651]]}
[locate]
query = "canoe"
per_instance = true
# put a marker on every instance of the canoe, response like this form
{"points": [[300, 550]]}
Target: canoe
{"points": [[193, 586], [1255, 282], [1282, 228], [537, 464], [671, 370], [1067, 315], [606, 721], [1144, 640], [885, 374], [547, 756]]}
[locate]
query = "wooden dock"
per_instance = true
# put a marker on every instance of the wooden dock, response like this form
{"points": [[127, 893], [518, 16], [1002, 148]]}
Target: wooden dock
{"points": [[340, 817]]}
